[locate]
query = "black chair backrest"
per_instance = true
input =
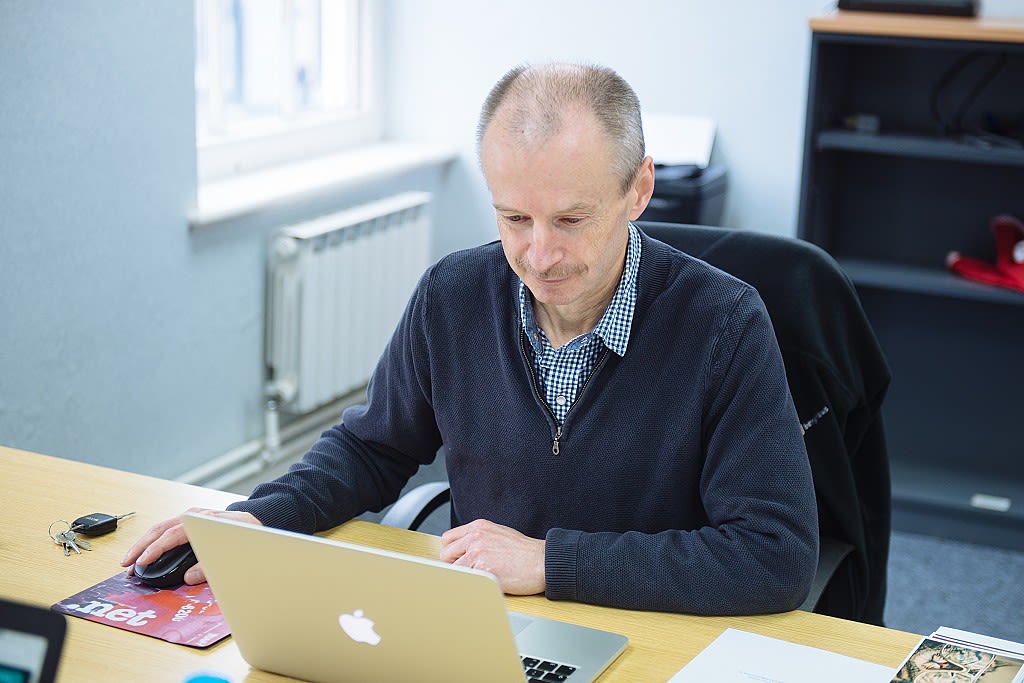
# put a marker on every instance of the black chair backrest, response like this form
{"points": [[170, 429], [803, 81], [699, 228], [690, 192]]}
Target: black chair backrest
{"points": [[838, 376]]}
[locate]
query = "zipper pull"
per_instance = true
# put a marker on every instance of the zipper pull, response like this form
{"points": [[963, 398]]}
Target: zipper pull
{"points": [[554, 444]]}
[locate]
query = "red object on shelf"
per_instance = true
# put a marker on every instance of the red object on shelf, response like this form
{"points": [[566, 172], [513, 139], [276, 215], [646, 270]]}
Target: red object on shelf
{"points": [[1008, 270]]}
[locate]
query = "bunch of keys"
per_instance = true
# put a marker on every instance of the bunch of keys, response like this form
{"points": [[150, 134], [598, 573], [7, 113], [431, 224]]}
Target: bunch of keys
{"points": [[68, 538], [97, 524]]}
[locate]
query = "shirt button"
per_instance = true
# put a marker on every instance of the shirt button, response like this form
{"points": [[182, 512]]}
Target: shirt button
{"points": [[560, 400]]}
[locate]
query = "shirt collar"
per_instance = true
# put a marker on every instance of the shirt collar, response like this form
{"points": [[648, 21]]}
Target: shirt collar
{"points": [[614, 326]]}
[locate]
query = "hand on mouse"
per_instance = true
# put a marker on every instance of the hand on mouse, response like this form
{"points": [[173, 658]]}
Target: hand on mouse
{"points": [[165, 535]]}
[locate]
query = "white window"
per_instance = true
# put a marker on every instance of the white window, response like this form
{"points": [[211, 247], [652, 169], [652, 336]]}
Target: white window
{"points": [[280, 81]]}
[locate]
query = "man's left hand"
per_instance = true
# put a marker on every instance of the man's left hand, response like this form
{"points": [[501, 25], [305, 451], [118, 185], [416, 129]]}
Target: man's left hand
{"points": [[516, 560]]}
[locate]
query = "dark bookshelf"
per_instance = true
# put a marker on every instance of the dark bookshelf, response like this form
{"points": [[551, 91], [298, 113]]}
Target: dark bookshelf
{"points": [[890, 204]]}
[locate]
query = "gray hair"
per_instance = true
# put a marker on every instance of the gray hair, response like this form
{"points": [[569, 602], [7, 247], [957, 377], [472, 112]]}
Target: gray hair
{"points": [[536, 98]]}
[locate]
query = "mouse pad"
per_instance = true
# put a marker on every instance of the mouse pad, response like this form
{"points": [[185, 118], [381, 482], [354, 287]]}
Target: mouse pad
{"points": [[187, 615]]}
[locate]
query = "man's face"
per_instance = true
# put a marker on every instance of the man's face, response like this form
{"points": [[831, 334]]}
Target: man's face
{"points": [[560, 210]]}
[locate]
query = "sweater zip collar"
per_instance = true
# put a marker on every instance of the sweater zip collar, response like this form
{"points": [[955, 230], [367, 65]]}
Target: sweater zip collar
{"points": [[556, 442]]}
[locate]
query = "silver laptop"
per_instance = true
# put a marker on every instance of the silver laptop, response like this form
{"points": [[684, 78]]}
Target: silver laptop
{"points": [[328, 611]]}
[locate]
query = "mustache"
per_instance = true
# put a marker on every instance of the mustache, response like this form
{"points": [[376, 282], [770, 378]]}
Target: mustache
{"points": [[554, 273]]}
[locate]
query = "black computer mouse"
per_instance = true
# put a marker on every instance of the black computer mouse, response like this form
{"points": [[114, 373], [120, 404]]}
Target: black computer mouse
{"points": [[168, 570]]}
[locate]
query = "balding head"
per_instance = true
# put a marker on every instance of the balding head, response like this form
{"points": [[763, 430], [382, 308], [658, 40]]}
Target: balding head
{"points": [[530, 105]]}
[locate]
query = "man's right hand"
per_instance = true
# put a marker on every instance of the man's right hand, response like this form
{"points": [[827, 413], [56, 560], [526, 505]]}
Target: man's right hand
{"points": [[165, 535]]}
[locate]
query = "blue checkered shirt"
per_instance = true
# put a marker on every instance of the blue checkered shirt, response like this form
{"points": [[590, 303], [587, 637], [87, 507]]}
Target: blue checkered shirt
{"points": [[561, 372]]}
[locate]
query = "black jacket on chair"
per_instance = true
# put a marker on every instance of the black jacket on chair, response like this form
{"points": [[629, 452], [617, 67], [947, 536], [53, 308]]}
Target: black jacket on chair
{"points": [[838, 377]]}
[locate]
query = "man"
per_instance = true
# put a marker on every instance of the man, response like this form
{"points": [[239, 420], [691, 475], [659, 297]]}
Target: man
{"points": [[615, 414]]}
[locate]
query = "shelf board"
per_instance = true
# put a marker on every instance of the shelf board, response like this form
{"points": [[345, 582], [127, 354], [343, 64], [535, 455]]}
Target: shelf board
{"points": [[983, 28], [965, 505], [926, 281], [989, 495], [919, 147]]}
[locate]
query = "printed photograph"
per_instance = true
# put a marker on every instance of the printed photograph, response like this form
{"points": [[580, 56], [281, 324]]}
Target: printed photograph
{"points": [[936, 662]]}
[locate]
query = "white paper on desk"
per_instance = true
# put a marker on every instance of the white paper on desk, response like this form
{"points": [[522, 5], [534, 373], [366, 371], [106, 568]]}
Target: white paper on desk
{"points": [[742, 657], [672, 139]]}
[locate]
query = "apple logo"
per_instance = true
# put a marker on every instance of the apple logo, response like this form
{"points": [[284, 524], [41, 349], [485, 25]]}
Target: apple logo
{"points": [[359, 628]]}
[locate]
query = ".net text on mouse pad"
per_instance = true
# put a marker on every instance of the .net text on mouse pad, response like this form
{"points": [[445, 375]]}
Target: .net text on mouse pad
{"points": [[187, 615]]}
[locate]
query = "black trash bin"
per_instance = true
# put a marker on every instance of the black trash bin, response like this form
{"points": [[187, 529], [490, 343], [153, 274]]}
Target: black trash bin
{"points": [[687, 194]]}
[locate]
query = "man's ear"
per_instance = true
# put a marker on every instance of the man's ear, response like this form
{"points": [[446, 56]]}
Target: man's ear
{"points": [[643, 188]]}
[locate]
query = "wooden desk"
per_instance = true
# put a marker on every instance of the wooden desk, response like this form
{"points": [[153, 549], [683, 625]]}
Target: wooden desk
{"points": [[38, 489]]}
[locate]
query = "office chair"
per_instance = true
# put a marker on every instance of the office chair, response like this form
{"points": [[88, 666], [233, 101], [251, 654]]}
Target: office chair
{"points": [[838, 377]]}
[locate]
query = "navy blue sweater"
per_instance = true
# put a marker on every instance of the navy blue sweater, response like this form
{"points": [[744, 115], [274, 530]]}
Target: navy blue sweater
{"points": [[681, 481]]}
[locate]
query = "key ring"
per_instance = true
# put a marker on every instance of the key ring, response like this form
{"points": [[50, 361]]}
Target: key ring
{"points": [[53, 536]]}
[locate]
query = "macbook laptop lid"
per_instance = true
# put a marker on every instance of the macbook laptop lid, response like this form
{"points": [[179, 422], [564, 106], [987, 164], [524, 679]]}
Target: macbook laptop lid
{"points": [[329, 611], [31, 641]]}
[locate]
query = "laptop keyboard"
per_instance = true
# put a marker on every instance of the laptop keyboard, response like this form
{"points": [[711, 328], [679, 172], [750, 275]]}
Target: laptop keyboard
{"points": [[544, 671]]}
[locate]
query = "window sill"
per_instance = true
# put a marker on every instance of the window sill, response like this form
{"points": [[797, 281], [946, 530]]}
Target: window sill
{"points": [[232, 198]]}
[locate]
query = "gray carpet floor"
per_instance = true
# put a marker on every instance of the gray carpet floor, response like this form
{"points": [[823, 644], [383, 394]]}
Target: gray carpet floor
{"points": [[938, 582]]}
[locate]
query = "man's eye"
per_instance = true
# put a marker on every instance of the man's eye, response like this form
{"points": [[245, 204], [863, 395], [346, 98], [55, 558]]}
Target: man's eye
{"points": [[514, 219], [572, 220]]}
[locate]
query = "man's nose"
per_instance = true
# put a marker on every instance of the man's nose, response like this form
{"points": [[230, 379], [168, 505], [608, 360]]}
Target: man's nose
{"points": [[545, 250]]}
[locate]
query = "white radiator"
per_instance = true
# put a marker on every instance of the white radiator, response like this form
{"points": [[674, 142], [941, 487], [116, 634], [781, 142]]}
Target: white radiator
{"points": [[336, 288]]}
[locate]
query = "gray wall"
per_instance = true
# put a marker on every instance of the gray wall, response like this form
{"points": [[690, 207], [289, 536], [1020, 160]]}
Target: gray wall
{"points": [[125, 340], [128, 341], [742, 62]]}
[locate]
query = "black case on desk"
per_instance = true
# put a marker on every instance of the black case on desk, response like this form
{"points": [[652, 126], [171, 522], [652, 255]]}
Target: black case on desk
{"points": [[687, 194]]}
